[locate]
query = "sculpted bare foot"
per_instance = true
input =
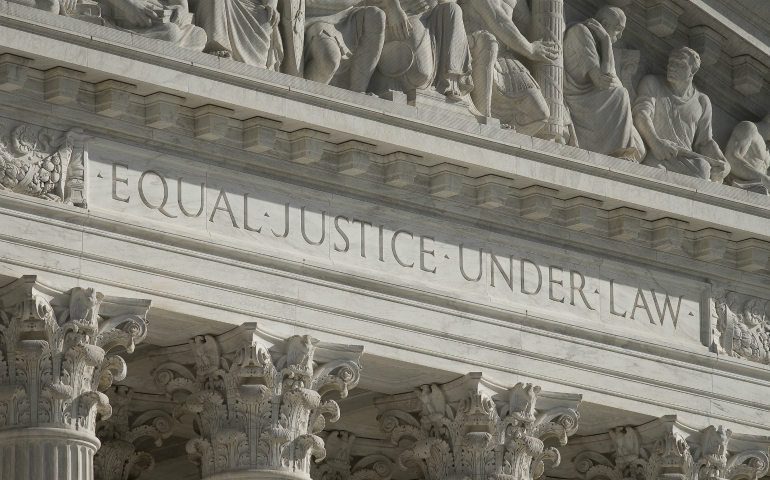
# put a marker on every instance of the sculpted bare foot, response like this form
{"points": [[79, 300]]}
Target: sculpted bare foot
{"points": [[221, 53]]}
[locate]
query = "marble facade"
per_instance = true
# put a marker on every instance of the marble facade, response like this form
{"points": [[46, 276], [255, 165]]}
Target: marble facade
{"points": [[384, 240]]}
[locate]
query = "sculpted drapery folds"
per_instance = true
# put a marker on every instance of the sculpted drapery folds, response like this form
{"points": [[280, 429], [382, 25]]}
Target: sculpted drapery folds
{"points": [[459, 431], [598, 103], [667, 449], [674, 119], [245, 30], [256, 415], [502, 87]]}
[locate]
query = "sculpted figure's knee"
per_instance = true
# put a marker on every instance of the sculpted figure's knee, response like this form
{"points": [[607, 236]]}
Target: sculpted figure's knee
{"points": [[323, 59], [342, 49]]}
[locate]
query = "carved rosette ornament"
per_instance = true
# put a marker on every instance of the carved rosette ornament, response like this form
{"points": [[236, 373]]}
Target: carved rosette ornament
{"points": [[481, 436], [258, 410], [742, 326], [667, 450], [118, 457], [54, 366], [43, 163]]}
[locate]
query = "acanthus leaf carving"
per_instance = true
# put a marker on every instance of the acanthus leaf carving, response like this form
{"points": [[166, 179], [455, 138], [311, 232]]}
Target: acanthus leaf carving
{"points": [[674, 452], [43, 163], [53, 358], [483, 439], [258, 409]]}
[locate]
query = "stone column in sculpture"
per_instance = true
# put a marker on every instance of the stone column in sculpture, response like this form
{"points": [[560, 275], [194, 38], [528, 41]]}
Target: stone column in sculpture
{"points": [[256, 400], [548, 26], [54, 365]]}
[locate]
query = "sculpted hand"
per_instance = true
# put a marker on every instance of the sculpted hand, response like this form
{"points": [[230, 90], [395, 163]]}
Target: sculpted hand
{"points": [[540, 51], [598, 30], [397, 20], [138, 13], [417, 5], [664, 150], [272, 14], [604, 82]]}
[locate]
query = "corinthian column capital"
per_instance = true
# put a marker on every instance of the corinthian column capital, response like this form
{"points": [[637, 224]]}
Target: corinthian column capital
{"points": [[257, 400], [471, 428], [54, 367]]}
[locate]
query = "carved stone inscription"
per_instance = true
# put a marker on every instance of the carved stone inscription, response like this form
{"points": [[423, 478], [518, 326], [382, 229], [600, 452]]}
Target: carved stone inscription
{"points": [[302, 225]]}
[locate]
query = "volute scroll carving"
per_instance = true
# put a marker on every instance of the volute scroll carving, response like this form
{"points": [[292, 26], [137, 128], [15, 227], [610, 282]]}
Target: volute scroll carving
{"points": [[342, 463], [55, 365], [258, 410], [463, 430], [118, 457]]}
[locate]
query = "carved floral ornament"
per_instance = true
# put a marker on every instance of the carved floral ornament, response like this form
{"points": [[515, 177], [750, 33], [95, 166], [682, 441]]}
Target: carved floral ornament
{"points": [[741, 326], [466, 430], [258, 408], [54, 353], [43, 163], [665, 449]]}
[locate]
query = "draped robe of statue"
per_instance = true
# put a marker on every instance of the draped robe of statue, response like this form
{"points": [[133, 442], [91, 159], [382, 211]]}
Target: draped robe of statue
{"points": [[435, 54], [602, 118], [243, 28], [685, 122]]}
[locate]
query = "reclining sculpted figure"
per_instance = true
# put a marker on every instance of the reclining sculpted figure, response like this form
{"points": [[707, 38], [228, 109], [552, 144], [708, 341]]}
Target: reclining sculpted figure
{"points": [[167, 20], [503, 87], [597, 101], [674, 119]]}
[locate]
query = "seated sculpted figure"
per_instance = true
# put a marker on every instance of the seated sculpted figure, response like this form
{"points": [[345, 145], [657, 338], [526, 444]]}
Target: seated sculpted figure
{"points": [[344, 38], [748, 156], [431, 52], [597, 101], [674, 119], [503, 87], [245, 30]]}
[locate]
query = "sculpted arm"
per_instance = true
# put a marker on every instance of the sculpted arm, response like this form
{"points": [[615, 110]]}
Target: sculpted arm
{"points": [[501, 25], [332, 5], [704, 142], [644, 108]]}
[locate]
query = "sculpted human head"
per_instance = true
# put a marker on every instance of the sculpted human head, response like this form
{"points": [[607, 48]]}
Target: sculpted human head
{"points": [[682, 65], [613, 20]]}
